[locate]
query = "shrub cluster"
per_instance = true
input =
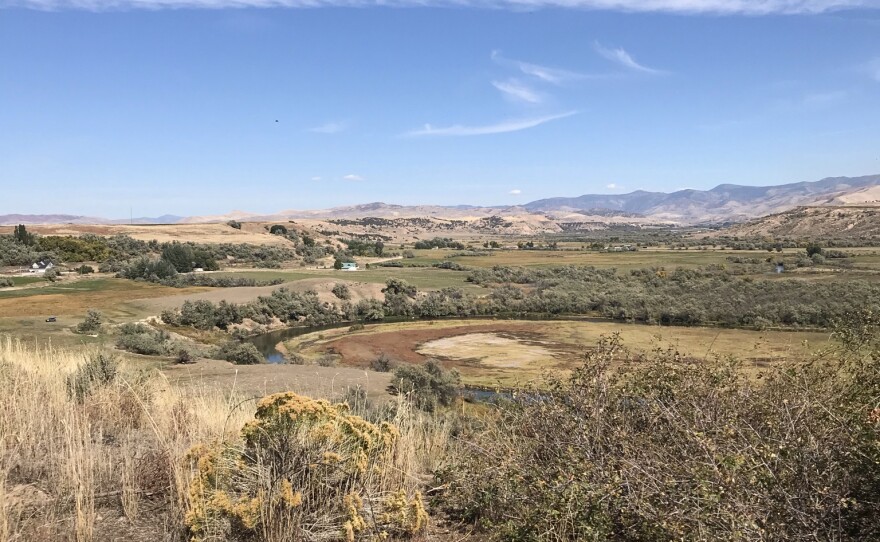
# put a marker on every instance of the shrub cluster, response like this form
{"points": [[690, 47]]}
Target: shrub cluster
{"points": [[671, 449], [240, 353], [439, 242], [428, 386]]}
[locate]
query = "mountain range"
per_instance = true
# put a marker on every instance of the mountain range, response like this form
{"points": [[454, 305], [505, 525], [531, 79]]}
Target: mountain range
{"points": [[724, 203]]}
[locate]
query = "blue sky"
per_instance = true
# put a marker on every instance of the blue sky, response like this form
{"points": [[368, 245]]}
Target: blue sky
{"points": [[170, 106]]}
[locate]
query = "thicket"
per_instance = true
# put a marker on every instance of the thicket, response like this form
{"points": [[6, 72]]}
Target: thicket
{"points": [[6, 283], [664, 449], [439, 242], [682, 297], [428, 386], [360, 247], [240, 353], [282, 304]]}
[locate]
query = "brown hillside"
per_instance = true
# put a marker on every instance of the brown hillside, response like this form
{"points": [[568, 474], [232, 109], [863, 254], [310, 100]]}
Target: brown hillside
{"points": [[850, 222]]}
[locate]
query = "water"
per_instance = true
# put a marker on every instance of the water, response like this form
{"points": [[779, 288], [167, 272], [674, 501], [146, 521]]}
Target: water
{"points": [[267, 342]]}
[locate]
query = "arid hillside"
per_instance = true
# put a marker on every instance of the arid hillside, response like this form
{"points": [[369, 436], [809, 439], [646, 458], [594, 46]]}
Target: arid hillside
{"points": [[839, 222]]}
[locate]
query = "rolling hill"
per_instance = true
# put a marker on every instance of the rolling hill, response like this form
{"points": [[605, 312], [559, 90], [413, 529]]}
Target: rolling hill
{"points": [[724, 203]]}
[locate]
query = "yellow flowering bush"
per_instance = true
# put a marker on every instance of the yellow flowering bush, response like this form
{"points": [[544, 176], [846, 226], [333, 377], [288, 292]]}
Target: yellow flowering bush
{"points": [[306, 469]]}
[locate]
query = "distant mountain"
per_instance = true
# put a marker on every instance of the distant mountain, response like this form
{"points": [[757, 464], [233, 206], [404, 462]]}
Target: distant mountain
{"points": [[14, 220], [28, 220], [725, 202]]}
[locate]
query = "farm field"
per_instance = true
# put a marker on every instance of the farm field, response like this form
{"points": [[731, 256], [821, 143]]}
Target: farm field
{"points": [[76, 297], [514, 352]]}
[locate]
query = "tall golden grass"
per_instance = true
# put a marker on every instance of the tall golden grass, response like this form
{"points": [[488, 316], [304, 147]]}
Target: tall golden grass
{"points": [[69, 463]]}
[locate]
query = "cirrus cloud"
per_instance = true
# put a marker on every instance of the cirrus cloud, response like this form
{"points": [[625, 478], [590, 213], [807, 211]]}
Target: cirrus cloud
{"points": [[723, 7], [497, 128], [353, 177]]}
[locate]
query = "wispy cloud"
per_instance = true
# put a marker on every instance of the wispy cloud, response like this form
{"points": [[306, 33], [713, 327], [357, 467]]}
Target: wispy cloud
{"points": [[328, 128], [611, 186], [515, 192], [517, 91], [316, 179], [497, 128], [620, 56], [353, 177], [556, 76], [724, 7]]}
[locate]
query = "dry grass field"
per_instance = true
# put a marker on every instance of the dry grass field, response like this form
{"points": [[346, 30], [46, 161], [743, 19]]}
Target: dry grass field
{"points": [[253, 234], [76, 297], [99, 451], [514, 352]]}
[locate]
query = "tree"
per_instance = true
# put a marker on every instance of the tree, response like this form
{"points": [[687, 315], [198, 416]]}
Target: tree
{"points": [[92, 323], [22, 236], [337, 264], [234, 224], [341, 291], [278, 229], [380, 247], [399, 286], [813, 248], [180, 256]]}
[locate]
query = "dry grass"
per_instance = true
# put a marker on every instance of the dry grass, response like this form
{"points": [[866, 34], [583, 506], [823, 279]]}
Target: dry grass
{"points": [[108, 294], [198, 233], [532, 347], [66, 462], [106, 459]]}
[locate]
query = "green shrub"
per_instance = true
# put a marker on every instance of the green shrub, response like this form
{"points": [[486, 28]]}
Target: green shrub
{"points": [[241, 353], [100, 370], [383, 363], [92, 323], [428, 386], [142, 339], [341, 291], [6, 283], [671, 449]]}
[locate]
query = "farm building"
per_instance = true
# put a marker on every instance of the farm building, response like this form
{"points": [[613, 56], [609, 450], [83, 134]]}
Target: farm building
{"points": [[41, 267], [349, 266]]}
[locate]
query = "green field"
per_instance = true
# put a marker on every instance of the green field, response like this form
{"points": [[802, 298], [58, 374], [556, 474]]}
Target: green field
{"points": [[23, 281]]}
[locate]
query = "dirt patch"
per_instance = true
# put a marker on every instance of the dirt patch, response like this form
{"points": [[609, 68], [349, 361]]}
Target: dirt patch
{"points": [[490, 352], [487, 349]]}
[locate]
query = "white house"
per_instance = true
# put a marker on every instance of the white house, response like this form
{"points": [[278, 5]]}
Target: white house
{"points": [[41, 267], [349, 266]]}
